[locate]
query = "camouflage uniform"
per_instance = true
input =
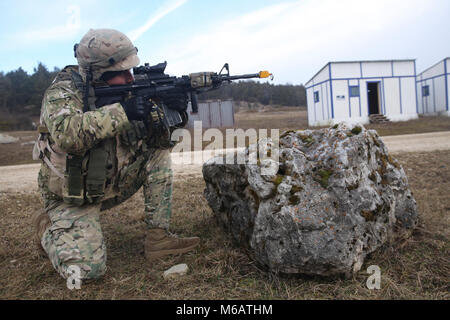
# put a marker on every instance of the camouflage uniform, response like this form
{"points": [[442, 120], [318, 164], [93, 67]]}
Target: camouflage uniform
{"points": [[133, 160]]}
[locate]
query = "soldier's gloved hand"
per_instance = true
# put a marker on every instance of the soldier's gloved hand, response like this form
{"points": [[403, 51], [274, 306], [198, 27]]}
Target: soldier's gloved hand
{"points": [[131, 109], [177, 101]]}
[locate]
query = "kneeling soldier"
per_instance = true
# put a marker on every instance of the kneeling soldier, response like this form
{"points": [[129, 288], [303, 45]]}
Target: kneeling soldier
{"points": [[96, 156]]}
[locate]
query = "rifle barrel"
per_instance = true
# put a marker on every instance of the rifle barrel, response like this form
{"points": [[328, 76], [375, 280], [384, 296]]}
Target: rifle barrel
{"points": [[242, 76]]}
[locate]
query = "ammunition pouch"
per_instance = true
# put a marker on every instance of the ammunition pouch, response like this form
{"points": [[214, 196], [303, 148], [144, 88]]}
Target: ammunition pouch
{"points": [[96, 174], [81, 185], [73, 189]]}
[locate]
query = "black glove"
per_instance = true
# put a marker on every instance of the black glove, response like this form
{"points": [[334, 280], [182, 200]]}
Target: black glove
{"points": [[131, 109], [178, 101]]}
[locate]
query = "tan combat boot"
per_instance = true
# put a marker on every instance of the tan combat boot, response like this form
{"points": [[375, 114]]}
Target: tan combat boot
{"points": [[41, 222], [160, 243]]}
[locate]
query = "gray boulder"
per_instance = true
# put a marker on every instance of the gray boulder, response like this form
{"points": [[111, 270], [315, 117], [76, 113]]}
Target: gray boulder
{"points": [[336, 197]]}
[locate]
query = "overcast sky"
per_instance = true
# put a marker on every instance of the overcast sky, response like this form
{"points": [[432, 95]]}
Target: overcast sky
{"points": [[292, 39]]}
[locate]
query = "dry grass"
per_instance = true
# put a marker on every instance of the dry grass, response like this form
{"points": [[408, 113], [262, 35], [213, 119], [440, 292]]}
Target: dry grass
{"points": [[277, 119], [418, 268], [421, 125], [18, 152]]}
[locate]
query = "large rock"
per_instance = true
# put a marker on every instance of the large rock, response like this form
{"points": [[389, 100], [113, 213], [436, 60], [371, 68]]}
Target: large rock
{"points": [[337, 196]]}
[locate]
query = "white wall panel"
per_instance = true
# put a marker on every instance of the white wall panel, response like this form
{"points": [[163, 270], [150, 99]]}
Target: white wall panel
{"points": [[392, 96], [322, 75], [345, 70], [321, 108], [436, 101], [327, 99], [318, 105], [376, 69], [354, 104], [323, 101], [340, 99], [439, 93], [434, 71], [403, 68], [409, 105], [310, 103]]}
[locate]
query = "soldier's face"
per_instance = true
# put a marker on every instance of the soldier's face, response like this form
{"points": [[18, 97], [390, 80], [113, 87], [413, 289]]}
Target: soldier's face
{"points": [[125, 77]]}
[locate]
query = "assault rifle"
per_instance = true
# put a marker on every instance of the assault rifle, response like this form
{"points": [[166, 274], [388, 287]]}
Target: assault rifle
{"points": [[151, 83]]}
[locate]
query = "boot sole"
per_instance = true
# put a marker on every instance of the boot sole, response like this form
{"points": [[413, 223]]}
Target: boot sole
{"points": [[151, 256]]}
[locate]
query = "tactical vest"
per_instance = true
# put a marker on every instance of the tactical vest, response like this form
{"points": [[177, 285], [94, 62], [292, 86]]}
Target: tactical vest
{"points": [[85, 176]]}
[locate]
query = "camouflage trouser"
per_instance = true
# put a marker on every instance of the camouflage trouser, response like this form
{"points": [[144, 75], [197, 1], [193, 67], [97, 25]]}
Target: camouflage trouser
{"points": [[158, 190], [75, 236]]}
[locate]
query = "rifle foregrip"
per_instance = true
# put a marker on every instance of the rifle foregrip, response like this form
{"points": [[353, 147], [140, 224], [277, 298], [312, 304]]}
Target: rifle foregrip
{"points": [[194, 102], [140, 109]]}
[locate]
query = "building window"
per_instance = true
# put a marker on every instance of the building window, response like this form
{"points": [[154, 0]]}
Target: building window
{"points": [[425, 91], [316, 96], [354, 91]]}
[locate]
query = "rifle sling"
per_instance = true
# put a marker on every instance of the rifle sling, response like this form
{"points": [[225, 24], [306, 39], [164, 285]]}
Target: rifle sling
{"points": [[79, 84]]}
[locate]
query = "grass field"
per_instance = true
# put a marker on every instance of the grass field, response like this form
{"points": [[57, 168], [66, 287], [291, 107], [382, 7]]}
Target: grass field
{"points": [[418, 268], [288, 119]]}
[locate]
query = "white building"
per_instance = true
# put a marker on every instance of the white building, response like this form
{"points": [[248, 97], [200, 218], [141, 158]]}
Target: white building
{"points": [[352, 91], [433, 89]]}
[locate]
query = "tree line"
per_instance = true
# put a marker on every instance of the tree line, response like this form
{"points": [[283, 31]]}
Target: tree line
{"points": [[263, 93], [21, 95], [21, 92]]}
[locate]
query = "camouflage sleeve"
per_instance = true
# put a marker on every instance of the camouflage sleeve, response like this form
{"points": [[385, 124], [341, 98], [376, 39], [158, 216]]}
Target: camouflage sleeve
{"points": [[74, 131]]}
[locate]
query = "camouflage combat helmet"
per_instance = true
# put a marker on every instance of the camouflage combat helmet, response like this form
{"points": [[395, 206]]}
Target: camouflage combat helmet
{"points": [[104, 50]]}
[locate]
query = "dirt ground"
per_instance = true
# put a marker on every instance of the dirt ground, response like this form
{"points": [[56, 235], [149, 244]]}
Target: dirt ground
{"points": [[418, 268], [22, 178], [287, 118]]}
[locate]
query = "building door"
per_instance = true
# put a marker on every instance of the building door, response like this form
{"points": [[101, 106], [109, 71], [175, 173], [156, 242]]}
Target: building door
{"points": [[373, 97]]}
